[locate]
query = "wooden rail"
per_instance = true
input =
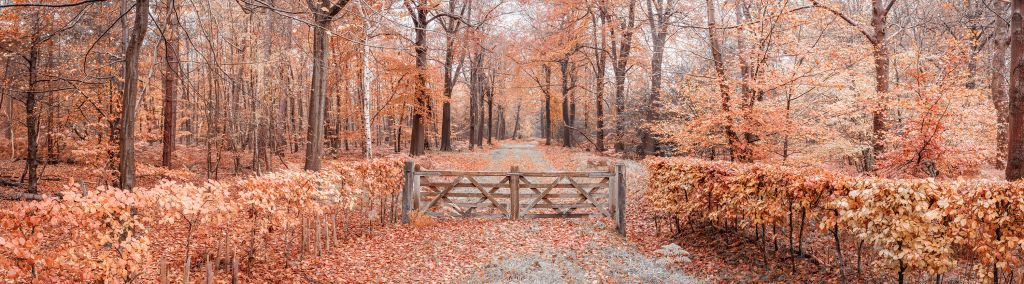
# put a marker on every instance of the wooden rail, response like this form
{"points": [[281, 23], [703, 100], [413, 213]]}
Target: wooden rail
{"points": [[515, 194]]}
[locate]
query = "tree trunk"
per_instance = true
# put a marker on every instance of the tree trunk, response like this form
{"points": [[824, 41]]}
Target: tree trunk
{"points": [[323, 14], [599, 70], [723, 88], [126, 147], [32, 120], [1000, 41], [317, 94], [547, 104], [515, 129], [658, 14], [170, 84], [474, 98], [490, 110], [566, 121], [449, 85], [621, 68], [365, 89], [1015, 132], [881, 59], [418, 139]]}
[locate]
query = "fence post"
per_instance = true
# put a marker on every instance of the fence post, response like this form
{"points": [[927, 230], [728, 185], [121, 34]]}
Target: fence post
{"points": [[407, 191], [620, 199], [513, 176], [163, 271], [209, 270]]}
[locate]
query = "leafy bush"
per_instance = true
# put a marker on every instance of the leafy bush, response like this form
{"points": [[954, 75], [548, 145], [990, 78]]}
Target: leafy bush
{"points": [[107, 234], [913, 224]]}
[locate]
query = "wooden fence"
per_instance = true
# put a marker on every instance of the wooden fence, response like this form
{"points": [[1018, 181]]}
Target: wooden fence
{"points": [[515, 194]]}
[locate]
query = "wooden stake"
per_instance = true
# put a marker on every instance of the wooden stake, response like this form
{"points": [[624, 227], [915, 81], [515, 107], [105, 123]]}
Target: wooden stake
{"points": [[407, 196], [334, 228], [514, 192], [344, 224], [620, 199], [163, 270], [187, 270], [287, 242], [316, 240], [302, 245], [224, 249], [209, 270], [234, 268]]}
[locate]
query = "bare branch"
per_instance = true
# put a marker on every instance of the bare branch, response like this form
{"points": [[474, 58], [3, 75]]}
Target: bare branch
{"points": [[846, 19], [46, 5]]}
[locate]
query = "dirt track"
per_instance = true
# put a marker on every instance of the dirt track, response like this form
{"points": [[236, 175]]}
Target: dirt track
{"points": [[593, 262]]}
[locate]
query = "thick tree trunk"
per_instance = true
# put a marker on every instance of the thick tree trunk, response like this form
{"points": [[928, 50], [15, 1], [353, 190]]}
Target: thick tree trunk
{"points": [[449, 85], [323, 14], [1000, 41], [317, 94], [129, 92], [1015, 132], [418, 139], [170, 84]]}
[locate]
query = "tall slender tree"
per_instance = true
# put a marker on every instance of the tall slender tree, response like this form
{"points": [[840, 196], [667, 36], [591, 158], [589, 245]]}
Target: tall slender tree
{"points": [[129, 93], [452, 67], [418, 11], [170, 82], [659, 13], [600, 38], [1015, 131], [719, 65], [880, 54], [622, 45], [323, 14]]}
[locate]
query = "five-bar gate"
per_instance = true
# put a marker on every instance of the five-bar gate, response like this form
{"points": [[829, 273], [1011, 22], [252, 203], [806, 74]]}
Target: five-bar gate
{"points": [[515, 194]]}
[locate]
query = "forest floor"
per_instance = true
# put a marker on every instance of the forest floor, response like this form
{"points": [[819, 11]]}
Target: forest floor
{"points": [[496, 251]]}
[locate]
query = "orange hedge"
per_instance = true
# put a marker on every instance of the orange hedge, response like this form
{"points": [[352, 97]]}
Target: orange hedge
{"points": [[913, 224], [109, 233]]}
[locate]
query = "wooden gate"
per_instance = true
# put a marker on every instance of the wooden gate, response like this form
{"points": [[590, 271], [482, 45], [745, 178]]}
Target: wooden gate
{"points": [[515, 194]]}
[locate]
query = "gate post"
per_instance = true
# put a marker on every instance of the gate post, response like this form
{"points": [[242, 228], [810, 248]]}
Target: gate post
{"points": [[407, 196], [513, 202], [620, 199]]}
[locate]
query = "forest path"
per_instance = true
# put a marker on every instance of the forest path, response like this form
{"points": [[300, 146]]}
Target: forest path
{"points": [[589, 262], [583, 250], [525, 156]]}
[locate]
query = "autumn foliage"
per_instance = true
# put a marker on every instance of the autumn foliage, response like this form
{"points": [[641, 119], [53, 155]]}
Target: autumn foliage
{"points": [[112, 234], [914, 225]]}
